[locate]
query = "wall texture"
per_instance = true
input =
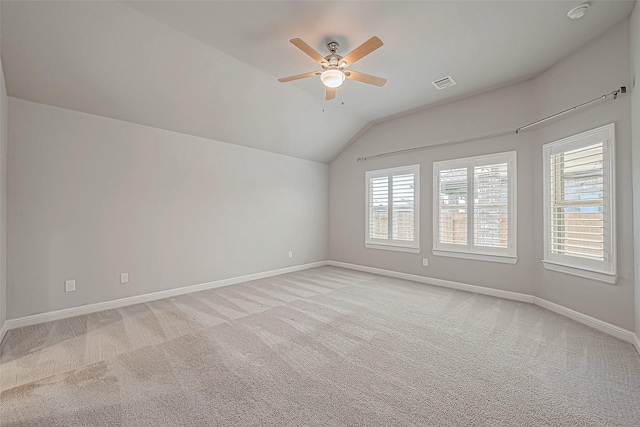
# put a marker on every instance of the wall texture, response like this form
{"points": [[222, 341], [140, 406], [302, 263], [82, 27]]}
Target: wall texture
{"points": [[4, 138], [498, 110], [598, 68], [91, 197], [635, 132]]}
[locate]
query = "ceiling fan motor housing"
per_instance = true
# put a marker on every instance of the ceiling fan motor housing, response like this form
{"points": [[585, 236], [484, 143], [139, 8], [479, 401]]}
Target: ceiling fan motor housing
{"points": [[332, 61], [333, 47]]}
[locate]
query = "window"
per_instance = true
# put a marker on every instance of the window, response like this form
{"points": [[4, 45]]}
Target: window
{"points": [[486, 187], [579, 222], [393, 209]]}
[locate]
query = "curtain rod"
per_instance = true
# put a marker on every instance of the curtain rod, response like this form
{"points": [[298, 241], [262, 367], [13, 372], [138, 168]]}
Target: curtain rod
{"points": [[615, 93]]}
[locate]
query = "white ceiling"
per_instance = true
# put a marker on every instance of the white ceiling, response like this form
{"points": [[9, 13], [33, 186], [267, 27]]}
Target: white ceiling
{"points": [[210, 68]]}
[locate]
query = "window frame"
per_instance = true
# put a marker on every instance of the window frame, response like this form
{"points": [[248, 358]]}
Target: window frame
{"points": [[470, 250], [390, 243], [606, 270]]}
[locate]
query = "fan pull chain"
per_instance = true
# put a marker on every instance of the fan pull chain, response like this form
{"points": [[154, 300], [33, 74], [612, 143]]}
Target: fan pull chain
{"points": [[342, 93], [323, 98]]}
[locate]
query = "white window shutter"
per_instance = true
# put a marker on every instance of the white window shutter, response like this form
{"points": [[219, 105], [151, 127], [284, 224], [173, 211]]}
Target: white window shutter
{"points": [[577, 203], [403, 207], [379, 207], [393, 206], [491, 207], [475, 207], [452, 202]]}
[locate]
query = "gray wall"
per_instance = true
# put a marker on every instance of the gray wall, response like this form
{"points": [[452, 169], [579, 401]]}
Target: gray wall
{"points": [[4, 138], [598, 68], [456, 120], [90, 198], [635, 132]]}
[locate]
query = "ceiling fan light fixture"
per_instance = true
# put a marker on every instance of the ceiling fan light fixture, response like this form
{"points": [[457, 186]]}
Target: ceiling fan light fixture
{"points": [[334, 66], [332, 78], [578, 12]]}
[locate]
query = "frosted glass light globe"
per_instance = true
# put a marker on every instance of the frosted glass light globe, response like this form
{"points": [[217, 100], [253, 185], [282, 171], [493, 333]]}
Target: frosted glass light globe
{"points": [[332, 78]]}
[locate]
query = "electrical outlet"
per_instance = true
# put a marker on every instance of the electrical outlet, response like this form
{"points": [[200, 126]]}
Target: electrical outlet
{"points": [[69, 285], [124, 278], [425, 262], [290, 254]]}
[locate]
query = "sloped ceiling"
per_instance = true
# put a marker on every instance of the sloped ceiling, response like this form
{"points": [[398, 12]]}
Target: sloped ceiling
{"points": [[210, 68]]}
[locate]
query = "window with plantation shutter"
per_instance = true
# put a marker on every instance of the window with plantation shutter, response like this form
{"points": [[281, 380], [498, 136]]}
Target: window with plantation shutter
{"points": [[491, 207], [379, 207], [474, 207], [452, 198], [392, 209], [579, 205]]}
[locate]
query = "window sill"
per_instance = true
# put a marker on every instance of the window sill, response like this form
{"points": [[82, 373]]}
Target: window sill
{"points": [[580, 272], [505, 259], [392, 248]]}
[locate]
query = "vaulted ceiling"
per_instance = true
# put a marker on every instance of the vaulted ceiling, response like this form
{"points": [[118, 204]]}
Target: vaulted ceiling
{"points": [[210, 69]]}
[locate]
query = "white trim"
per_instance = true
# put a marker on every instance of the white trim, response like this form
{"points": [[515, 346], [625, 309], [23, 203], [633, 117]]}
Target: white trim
{"points": [[607, 267], [138, 299], [581, 272], [516, 296], [507, 259], [392, 247], [469, 163], [389, 243], [600, 325], [3, 331]]}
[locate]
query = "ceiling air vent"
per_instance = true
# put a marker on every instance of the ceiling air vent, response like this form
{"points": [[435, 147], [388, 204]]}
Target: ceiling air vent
{"points": [[443, 82]]}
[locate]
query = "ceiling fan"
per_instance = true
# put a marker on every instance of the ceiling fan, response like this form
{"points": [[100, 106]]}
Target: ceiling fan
{"points": [[334, 67]]}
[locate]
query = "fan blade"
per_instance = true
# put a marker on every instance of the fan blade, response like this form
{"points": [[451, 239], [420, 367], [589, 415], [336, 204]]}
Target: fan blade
{"points": [[363, 50], [331, 93], [365, 78], [298, 77], [300, 44]]}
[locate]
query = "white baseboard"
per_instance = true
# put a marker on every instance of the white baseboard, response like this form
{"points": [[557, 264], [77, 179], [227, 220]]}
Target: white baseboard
{"points": [[3, 331], [600, 325], [138, 299], [516, 296]]}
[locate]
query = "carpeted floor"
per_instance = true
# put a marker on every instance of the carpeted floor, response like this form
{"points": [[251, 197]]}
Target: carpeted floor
{"points": [[319, 347]]}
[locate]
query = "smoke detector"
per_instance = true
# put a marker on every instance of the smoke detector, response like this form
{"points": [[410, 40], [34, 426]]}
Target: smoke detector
{"points": [[578, 11]]}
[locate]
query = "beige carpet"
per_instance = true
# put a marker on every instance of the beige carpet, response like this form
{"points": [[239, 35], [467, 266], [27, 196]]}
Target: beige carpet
{"points": [[320, 347]]}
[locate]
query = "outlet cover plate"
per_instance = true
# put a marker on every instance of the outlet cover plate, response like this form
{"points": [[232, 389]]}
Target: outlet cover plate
{"points": [[69, 285]]}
